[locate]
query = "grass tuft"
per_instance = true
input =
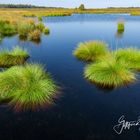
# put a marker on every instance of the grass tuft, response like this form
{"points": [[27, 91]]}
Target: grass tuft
{"points": [[91, 51], [7, 29], [34, 35], [27, 87], [40, 26], [40, 18], [16, 56], [24, 29], [120, 27], [46, 31], [109, 73], [131, 56]]}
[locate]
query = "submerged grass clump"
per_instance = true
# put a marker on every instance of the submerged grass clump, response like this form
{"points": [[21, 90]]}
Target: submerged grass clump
{"points": [[91, 51], [109, 73], [27, 87], [16, 56], [131, 56], [120, 27]]}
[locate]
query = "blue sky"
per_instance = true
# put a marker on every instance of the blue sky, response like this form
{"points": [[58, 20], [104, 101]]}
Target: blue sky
{"points": [[76, 3]]}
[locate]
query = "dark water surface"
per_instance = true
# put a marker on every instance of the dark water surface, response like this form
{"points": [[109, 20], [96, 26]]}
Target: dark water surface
{"points": [[84, 111]]}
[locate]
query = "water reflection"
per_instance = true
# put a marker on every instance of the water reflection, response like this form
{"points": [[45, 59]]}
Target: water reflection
{"points": [[36, 41], [119, 34], [23, 38]]}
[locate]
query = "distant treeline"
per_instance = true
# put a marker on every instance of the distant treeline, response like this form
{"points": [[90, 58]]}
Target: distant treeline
{"points": [[19, 6], [80, 7]]}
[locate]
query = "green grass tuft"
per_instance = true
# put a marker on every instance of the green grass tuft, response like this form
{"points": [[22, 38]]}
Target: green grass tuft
{"points": [[16, 56], [121, 27], [27, 87], [46, 31], [40, 26], [91, 51], [7, 29], [131, 56], [25, 29], [109, 73]]}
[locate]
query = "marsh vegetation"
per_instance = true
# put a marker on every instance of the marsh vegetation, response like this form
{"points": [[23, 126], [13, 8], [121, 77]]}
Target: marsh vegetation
{"points": [[121, 27], [109, 73], [16, 56], [35, 35], [108, 68], [46, 31], [79, 86], [40, 12], [91, 51], [105, 68], [26, 28], [131, 56], [27, 87]]}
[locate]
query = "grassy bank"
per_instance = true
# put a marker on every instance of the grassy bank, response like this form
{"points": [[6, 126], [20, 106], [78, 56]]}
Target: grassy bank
{"points": [[39, 12]]}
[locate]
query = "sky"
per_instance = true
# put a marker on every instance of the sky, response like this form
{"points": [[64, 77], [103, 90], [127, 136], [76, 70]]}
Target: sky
{"points": [[76, 3]]}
